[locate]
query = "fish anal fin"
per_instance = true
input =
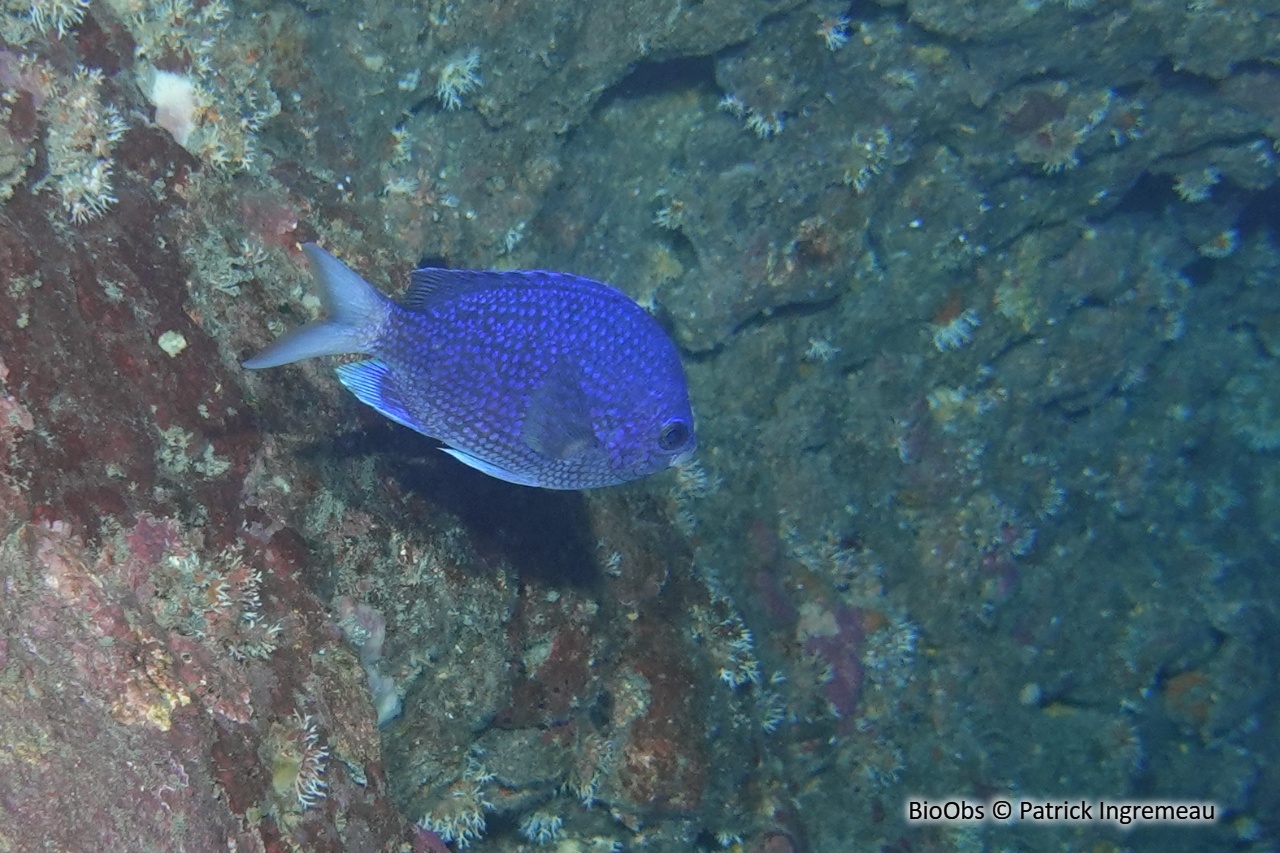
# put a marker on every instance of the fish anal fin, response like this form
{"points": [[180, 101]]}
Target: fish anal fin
{"points": [[370, 381], [492, 469]]}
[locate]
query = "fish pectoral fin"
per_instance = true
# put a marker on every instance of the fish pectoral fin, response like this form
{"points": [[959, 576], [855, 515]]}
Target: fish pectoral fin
{"points": [[490, 468], [370, 381], [557, 423]]}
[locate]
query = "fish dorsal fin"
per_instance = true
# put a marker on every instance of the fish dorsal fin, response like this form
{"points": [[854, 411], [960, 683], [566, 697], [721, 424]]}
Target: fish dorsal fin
{"points": [[557, 423], [430, 285], [371, 382]]}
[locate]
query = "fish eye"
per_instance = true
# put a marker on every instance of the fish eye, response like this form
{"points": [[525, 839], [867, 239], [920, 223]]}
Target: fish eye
{"points": [[673, 435]]}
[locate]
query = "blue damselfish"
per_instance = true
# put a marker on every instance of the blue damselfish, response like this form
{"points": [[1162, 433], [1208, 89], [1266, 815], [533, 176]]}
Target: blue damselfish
{"points": [[538, 378]]}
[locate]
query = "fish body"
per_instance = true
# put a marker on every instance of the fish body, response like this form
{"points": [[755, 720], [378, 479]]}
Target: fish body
{"points": [[538, 378]]}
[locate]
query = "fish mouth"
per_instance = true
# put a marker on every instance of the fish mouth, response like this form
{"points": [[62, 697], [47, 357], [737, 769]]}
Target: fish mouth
{"points": [[682, 457]]}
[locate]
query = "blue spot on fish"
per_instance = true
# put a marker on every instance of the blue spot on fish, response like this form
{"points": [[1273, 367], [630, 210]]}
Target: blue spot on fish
{"points": [[538, 378]]}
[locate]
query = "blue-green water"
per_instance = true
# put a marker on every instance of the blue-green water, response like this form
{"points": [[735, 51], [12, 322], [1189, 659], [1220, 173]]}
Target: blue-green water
{"points": [[977, 307]]}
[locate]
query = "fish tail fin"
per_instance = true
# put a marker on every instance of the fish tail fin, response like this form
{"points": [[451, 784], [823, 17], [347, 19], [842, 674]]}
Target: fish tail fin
{"points": [[355, 313]]}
